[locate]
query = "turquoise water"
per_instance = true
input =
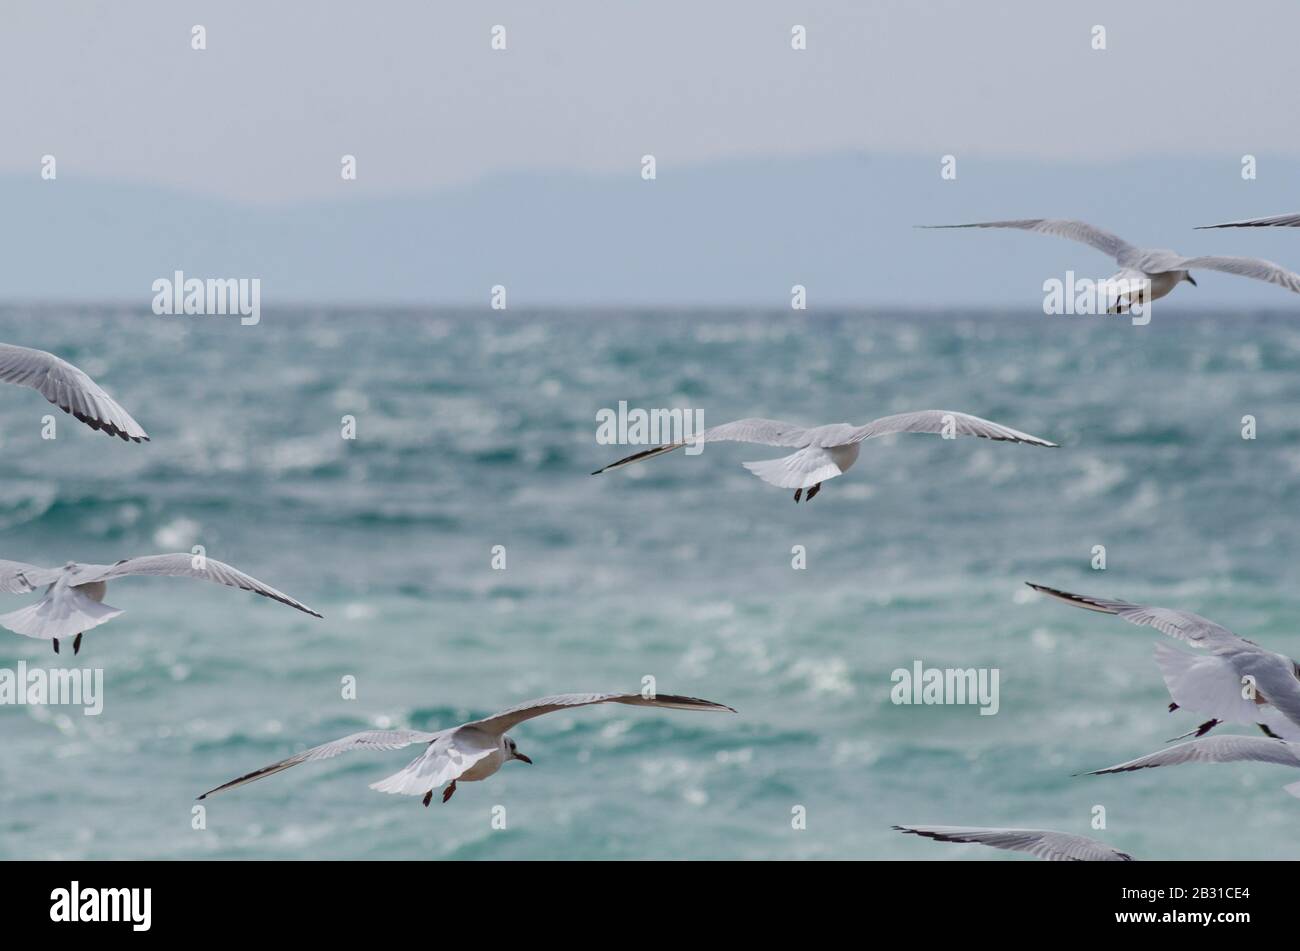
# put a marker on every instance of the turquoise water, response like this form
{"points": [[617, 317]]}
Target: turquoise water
{"points": [[478, 429]]}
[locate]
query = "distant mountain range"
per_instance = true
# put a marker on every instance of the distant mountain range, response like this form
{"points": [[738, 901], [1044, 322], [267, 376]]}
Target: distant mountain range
{"points": [[736, 233]]}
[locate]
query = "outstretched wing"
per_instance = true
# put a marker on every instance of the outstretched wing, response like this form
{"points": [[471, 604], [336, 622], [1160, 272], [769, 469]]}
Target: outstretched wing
{"points": [[1257, 268], [1182, 625], [1276, 221], [943, 421], [367, 740], [19, 578], [501, 722], [183, 565], [765, 432], [1043, 843], [68, 388], [1213, 749], [1095, 237]]}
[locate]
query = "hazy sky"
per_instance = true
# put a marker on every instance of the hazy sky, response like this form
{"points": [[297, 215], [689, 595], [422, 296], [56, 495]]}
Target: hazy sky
{"points": [[284, 89]]}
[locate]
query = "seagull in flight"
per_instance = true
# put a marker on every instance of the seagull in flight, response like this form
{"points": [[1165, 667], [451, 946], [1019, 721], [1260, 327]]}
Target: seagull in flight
{"points": [[1235, 681], [1277, 221], [1218, 749], [824, 452], [467, 753], [1164, 269], [1043, 843], [74, 594], [68, 388]]}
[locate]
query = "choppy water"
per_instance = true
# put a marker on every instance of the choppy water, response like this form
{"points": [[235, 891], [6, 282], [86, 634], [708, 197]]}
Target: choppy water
{"points": [[478, 430]]}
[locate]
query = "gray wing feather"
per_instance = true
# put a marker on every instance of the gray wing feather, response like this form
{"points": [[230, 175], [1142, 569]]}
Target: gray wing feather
{"points": [[19, 578], [766, 432], [1095, 237], [1213, 749], [69, 388], [1043, 843], [939, 421], [1257, 268], [1276, 221], [1181, 625], [501, 722], [366, 740], [182, 565]]}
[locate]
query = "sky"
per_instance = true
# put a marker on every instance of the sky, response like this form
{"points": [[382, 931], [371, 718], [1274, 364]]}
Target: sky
{"points": [[522, 167], [414, 90]]}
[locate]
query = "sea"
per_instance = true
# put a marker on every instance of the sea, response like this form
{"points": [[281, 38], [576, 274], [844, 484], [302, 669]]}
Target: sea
{"points": [[466, 560]]}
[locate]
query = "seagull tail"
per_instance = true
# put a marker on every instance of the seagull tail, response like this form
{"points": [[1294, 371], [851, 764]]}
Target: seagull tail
{"points": [[66, 614]]}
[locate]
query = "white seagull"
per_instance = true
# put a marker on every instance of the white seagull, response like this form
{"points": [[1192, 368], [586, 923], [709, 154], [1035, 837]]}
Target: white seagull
{"points": [[1236, 681], [1043, 843], [73, 601], [824, 452], [1218, 749], [466, 753], [1164, 269], [1276, 221], [68, 388]]}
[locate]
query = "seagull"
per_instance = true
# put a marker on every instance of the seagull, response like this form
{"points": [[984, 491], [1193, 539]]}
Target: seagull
{"points": [[73, 601], [467, 753], [1215, 682], [1164, 269], [1277, 221], [1218, 749], [68, 388], [824, 452], [1043, 843]]}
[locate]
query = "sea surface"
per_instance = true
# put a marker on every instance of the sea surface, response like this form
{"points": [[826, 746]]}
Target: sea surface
{"points": [[478, 429]]}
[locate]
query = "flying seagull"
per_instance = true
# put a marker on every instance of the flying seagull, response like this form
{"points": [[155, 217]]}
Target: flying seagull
{"points": [[1218, 749], [1043, 843], [1277, 221], [824, 452], [73, 601], [470, 752], [68, 388], [1164, 269], [1215, 682]]}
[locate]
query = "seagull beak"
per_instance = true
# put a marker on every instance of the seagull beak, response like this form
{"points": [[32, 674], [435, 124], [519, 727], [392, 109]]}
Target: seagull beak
{"points": [[1191, 280], [521, 756]]}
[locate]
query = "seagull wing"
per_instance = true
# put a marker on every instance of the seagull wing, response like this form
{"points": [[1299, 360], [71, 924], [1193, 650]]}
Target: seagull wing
{"points": [[1276, 221], [184, 565], [368, 740], [68, 388], [1045, 844], [1257, 268], [1213, 749], [19, 578], [942, 421], [765, 432], [1182, 625], [501, 722], [1103, 241]]}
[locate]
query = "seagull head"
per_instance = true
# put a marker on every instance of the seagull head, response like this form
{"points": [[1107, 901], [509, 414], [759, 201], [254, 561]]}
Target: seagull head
{"points": [[514, 753]]}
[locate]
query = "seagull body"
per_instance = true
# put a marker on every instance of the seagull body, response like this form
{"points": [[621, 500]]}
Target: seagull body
{"points": [[1043, 843], [468, 753], [1276, 221], [1218, 749], [73, 602], [1164, 269], [68, 388], [824, 452], [1213, 682]]}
